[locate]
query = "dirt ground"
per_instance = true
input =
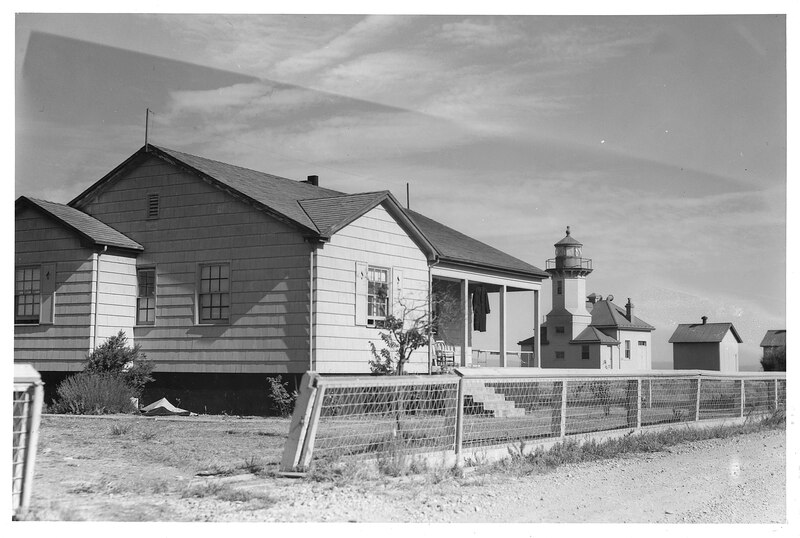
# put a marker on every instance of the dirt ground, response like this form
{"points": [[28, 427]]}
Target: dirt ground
{"points": [[223, 469]]}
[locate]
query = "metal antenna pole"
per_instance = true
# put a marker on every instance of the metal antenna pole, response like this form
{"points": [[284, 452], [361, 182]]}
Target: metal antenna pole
{"points": [[146, 126]]}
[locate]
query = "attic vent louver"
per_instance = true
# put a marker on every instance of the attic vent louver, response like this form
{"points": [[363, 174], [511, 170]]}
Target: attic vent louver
{"points": [[152, 206]]}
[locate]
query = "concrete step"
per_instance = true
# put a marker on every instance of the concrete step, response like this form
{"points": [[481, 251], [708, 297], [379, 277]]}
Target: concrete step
{"points": [[491, 401]]}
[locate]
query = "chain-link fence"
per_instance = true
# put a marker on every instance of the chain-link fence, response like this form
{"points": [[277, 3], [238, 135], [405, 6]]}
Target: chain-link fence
{"points": [[28, 392], [342, 417]]}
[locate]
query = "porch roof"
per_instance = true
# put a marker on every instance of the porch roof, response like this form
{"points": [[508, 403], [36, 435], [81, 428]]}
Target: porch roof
{"points": [[455, 247]]}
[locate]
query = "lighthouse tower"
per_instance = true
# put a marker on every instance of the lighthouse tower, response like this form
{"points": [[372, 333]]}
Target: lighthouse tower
{"points": [[569, 316]]}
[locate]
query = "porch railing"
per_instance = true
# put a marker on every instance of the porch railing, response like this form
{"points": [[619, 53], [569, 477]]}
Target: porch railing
{"points": [[490, 358], [485, 408]]}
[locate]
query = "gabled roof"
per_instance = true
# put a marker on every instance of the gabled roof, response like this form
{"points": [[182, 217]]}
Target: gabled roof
{"points": [[320, 212], [330, 215], [86, 226], [687, 333], [608, 315], [594, 335], [453, 246], [774, 338]]}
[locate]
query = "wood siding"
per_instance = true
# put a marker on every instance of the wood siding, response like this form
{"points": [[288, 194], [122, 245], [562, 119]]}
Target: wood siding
{"points": [[695, 356], [342, 346], [197, 224], [62, 345], [116, 296]]}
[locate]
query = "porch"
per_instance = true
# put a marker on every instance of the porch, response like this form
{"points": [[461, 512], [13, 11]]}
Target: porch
{"points": [[513, 315]]}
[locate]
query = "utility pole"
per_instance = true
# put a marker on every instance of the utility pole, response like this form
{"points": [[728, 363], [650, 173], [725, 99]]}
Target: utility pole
{"points": [[146, 126]]}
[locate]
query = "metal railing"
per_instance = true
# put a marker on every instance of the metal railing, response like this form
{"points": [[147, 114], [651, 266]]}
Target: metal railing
{"points": [[480, 408], [490, 358], [27, 400]]}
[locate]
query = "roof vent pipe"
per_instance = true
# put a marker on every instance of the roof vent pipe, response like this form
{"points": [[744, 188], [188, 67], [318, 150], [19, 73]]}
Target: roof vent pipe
{"points": [[313, 180], [704, 318]]}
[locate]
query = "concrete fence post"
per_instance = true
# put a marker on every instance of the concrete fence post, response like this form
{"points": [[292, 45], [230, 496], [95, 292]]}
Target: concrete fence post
{"points": [[301, 417], [777, 401], [638, 403], [741, 397], [564, 408], [697, 403], [459, 439], [311, 434]]}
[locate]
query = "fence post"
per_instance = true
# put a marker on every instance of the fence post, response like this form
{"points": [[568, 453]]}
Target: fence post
{"points": [[32, 440], [776, 394], [311, 434], [564, 407], [638, 403], [301, 416], [741, 382], [697, 403], [459, 440]]}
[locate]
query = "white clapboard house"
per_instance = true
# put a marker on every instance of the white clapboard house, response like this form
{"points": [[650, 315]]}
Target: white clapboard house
{"points": [[217, 269]]}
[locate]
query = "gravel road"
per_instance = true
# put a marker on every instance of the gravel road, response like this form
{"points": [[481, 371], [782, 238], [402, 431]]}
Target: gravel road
{"points": [[741, 479]]}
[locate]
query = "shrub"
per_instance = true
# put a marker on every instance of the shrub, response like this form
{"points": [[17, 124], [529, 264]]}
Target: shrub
{"points": [[774, 360], [93, 394], [279, 396], [116, 357]]}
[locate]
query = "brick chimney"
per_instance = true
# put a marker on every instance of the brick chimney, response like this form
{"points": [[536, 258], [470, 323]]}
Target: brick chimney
{"points": [[313, 180], [629, 310], [704, 318]]}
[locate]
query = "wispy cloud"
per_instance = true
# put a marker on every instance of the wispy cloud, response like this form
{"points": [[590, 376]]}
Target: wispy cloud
{"points": [[366, 35]]}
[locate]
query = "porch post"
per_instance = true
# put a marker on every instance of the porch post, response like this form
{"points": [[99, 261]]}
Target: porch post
{"points": [[536, 341], [502, 325], [465, 348]]}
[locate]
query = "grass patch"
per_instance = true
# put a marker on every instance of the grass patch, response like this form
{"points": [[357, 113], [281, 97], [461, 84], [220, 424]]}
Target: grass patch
{"points": [[571, 451], [121, 428], [254, 498]]}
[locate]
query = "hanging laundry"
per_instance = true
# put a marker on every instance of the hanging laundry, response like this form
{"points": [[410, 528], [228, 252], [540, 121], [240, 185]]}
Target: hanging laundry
{"points": [[480, 307]]}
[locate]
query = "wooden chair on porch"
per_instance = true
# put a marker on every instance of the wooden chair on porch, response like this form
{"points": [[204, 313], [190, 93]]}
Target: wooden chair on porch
{"points": [[445, 354]]}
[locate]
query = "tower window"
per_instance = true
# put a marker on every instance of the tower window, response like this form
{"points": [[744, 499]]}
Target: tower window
{"points": [[559, 330], [559, 288], [152, 206]]}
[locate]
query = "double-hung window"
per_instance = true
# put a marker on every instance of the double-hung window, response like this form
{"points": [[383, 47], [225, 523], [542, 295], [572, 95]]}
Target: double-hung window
{"points": [[27, 297], [146, 297], [585, 353], [214, 296], [627, 349], [377, 296]]}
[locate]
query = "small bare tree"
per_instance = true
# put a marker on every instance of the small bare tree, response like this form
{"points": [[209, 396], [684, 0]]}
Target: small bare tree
{"points": [[410, 329]]}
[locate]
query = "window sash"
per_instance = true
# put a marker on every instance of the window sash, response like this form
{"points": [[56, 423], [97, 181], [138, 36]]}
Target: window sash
{"points": [[214, 296], [146, 297], [627, 349], [27, 298], [377, 294], [585, 353]]}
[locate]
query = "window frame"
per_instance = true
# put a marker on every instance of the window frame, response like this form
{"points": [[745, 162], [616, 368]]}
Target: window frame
{"points": [[627, 349], [223, 295], [374, 320], [561, 330], [559, 287], [562, 357], [585, 353], [139, 295], [36, 295], [643, 343]]}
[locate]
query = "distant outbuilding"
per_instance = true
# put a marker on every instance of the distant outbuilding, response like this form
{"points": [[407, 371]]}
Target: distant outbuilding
{"points": [[706, 346]]}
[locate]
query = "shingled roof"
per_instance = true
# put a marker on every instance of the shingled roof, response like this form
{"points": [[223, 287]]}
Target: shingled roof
{"points": [[453, 246], [318, 211], [774, 338], [690, 333], [79, 222], [594, 335], [607, 314]]}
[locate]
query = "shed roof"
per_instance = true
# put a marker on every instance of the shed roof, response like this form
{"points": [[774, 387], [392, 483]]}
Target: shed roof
{"points": [[86, 226], [607, 314], [774, 338], [690, 333]]}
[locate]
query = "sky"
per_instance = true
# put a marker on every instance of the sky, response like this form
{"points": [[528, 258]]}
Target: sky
{"points": [[660, 140]]}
